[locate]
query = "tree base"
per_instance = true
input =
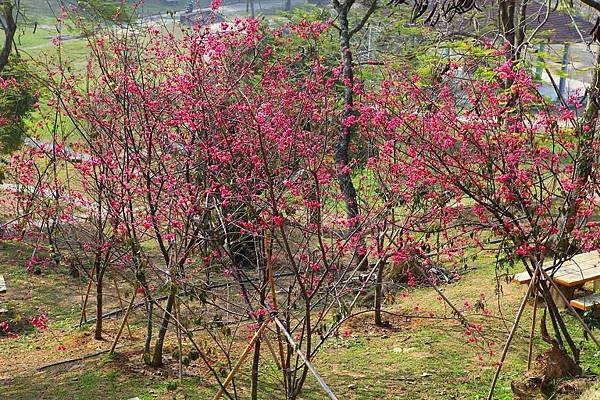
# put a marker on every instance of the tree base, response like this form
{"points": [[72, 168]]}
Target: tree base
{"points": [[544, 379]]}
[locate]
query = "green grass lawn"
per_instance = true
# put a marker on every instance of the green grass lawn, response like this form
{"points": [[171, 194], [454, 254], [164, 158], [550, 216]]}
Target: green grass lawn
{"points": [[40, 9], [415, 359]]}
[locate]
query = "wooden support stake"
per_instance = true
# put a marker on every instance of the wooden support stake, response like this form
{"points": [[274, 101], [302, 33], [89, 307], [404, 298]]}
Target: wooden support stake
{"points": [[114, 345], [179, 345], [87, 295], [121, 303], [510, 337], [532, 330], [274, 301], [243, 357], [311, 368], [571, 309]]}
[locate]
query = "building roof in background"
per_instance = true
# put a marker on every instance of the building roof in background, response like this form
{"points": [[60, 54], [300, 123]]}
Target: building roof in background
{"points": [[559, 26], [556, 26]]}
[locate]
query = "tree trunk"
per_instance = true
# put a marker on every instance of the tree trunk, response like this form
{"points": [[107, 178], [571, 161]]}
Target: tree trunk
{"points": [[99, 296], [379, 294], [162, 332], [149, 310], [98, 333], [507, 23], [255, 367], [521, 26], [148, 305], [342, 155], [10, 28]]}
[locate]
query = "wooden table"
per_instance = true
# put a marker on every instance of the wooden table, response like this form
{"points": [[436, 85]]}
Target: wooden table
{"points": [[582, 268]]}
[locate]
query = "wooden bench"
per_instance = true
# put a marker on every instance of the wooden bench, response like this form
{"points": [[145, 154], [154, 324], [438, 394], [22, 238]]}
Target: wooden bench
{"points": [[586, 303]]}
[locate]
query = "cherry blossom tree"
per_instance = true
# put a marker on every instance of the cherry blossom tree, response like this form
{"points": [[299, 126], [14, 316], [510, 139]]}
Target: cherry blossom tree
{"points": [[502, 155], [203, 160]]}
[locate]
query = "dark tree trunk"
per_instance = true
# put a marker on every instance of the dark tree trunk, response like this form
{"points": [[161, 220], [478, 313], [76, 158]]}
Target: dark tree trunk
{"points": [[162, 332], [521, 26], [10, 28], [99, 298], [98, 267], [148, 305], [342, 156], [507, 23], [255, 367], [379, 294], [342, 150], [149, 309]]}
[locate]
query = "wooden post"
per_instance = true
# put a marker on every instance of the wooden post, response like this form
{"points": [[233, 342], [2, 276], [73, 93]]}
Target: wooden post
{"points": [[180, 347]]}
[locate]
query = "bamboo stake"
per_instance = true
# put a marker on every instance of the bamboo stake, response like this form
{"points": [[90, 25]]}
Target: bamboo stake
{"points": [[510, 337], [243, 357], [114, 345], [570, 307], [308, 363], [532, 330], [87, 295], [177, 315], [274, 300], [121, 303]]}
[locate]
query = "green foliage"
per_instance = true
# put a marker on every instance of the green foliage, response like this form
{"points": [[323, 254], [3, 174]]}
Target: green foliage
{"points": [[100, 11], [16, 102], [171, 385]]}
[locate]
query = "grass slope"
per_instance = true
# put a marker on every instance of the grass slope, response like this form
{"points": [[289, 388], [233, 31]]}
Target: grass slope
{"points": [[415, 359]]}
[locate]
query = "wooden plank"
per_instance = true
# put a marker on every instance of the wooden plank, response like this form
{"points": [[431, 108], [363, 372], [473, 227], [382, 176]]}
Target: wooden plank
{"points": [[2, 284], [579, 269], [567, 268], [575, 269], [576, 278], [582, 261], [592, 255], [586, 303]]}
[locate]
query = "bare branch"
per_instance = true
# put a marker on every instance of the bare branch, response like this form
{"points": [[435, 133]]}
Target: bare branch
{"points": [[364, 19]]}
